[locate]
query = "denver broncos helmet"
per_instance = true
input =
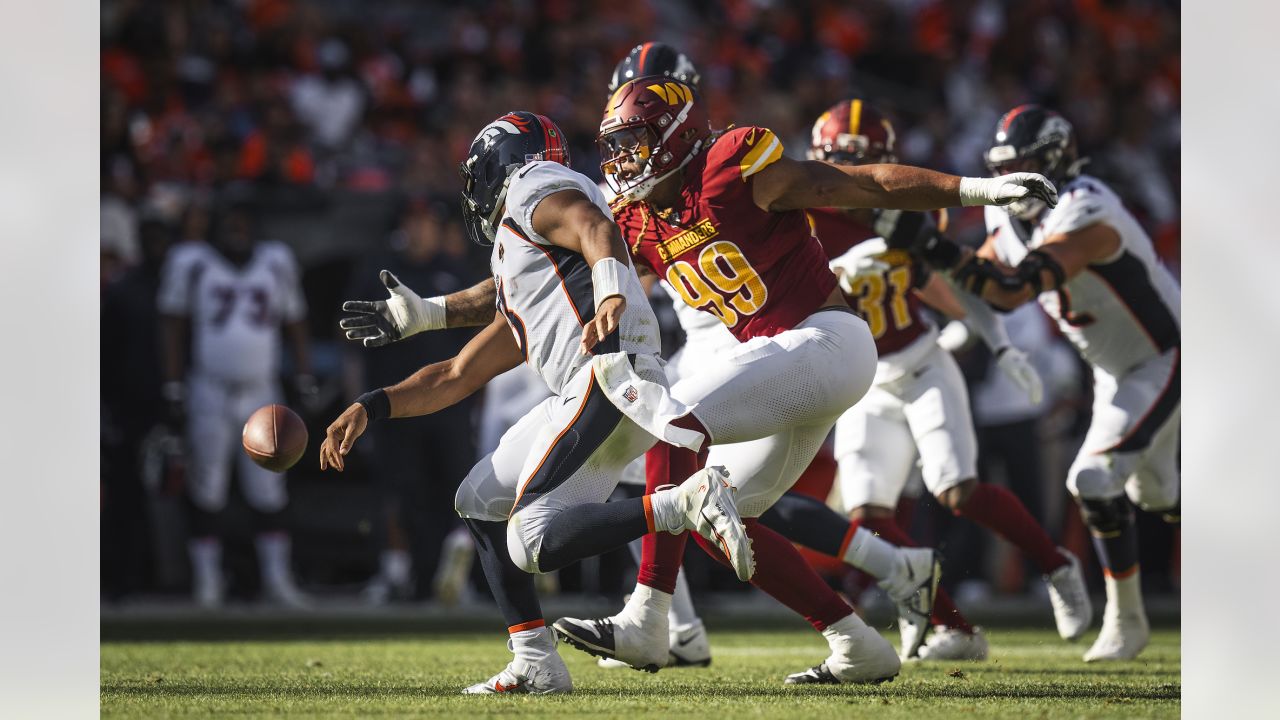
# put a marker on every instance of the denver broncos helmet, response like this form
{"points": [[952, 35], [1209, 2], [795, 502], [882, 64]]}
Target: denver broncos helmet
{"points": [[652, 127], [1031, 138], [853, 132], [502, 147], [654, 58]]}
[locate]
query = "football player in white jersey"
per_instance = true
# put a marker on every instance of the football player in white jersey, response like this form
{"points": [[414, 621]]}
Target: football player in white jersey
{"points": [[570, 305], [1093, 269], [918, 403], [233, 295]]}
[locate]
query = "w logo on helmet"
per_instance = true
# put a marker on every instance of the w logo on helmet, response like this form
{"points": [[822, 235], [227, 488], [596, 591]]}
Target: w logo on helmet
{"points": [[673, 92]]}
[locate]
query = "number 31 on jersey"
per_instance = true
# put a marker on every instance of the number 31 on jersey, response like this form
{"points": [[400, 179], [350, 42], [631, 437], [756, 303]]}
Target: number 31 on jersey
{"points": [[720, 281]]}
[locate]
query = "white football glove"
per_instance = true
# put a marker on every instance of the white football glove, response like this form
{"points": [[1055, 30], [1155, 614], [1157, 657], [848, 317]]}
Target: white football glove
{"points": [[381, 322], [1013, 362], [1004, 189], [861, 261]]}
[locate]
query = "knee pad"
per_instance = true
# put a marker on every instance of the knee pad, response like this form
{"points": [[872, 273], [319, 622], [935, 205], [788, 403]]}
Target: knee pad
{"points": [[1107, 518], [473, 499], [521, 549]]}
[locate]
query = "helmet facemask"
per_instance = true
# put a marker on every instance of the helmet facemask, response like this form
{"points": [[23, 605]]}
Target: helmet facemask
{"points": [[636, 161]]}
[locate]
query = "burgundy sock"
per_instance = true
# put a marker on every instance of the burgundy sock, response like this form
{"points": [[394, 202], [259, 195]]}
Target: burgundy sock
{"points": [[945, 611], [661, 552], [1001, 512], [783, 574]]}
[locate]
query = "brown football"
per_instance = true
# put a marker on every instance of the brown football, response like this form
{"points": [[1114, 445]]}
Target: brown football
{"points": [[275, 437]]}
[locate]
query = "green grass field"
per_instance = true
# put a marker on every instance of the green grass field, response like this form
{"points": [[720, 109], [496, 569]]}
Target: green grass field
{"points": [[1031, 674]]}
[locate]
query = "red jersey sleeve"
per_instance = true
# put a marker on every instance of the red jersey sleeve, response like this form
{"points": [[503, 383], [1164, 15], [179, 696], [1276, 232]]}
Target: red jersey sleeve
{"points": [[732, 160]]}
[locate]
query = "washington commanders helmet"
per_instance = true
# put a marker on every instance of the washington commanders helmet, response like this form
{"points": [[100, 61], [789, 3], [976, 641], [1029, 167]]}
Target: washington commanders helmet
{"points": [[652, 127], [853, 132], [502, 147], [654, 58], [1030, 138]]}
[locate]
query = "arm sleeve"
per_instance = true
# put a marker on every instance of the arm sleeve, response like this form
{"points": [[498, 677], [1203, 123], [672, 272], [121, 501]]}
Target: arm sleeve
{"points": [[980, 317], [532, 183]]}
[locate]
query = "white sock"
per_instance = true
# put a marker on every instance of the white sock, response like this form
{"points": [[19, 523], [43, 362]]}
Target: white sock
{"points": [[668, 511], [645, 604], [1124, 596], [850, 624], [394, 566], [206, 558], [533, 645], [682, 613], [868, 552], [273, 557]]}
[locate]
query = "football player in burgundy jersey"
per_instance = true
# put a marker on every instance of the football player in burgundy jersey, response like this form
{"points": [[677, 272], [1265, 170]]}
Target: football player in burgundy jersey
{"points": [[918, 403], [721, 218]]}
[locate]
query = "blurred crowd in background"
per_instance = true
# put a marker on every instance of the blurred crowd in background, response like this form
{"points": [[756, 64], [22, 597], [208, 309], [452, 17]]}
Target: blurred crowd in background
{"points": [[344, 120]]}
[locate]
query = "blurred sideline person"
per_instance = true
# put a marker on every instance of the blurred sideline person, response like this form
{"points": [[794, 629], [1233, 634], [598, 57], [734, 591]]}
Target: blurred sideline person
{"points": [[918, 403], [227, 301], [416, 463], [721, 218], [1093, 269], [570, 306]]}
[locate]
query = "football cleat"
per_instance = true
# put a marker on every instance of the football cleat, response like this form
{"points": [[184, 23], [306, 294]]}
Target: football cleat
{"points": [[523, 677], [1123, 636], [1072, 608], [617, 638], [913, 587], [914, 629], [688, 648], [282, 591], [858, 655], [950, 644], [706, 501]]}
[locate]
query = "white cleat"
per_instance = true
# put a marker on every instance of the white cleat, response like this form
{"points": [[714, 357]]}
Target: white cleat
{"points": [[688, 648], [913, 587], [706, 501], [641, 646], [914, 629], [950, 644], [544, 677], [1072, 608], [1123, 637], [858, 655]]}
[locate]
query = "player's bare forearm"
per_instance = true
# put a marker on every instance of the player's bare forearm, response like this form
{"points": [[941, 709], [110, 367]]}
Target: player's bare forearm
{"points": [[799, 184], [173, 347], [435, 387], [300, 345], [472, 307]]}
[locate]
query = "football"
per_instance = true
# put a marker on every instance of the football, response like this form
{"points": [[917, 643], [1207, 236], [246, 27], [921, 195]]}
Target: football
{"points": [[275, 437]]}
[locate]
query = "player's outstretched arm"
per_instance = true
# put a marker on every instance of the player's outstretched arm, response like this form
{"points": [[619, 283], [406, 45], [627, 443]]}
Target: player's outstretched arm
{"points": [[798, 184], [433, 388], [404, 313], [570, 220]]}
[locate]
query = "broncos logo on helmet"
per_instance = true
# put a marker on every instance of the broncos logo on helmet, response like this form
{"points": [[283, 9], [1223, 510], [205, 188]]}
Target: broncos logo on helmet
{"points": [[502, 147]]}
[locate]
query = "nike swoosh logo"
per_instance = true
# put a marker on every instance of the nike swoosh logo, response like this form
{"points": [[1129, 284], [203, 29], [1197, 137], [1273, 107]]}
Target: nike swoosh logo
{"points": [[569, 400], [594, 631], [685, 641], [497, 685]]}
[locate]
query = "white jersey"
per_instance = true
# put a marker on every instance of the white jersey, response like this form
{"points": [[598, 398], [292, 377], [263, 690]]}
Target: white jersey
{"points": [[546, 292], [1119, 312], [235, 311]]}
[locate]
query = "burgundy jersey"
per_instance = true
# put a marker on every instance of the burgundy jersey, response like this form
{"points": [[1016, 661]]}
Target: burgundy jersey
{"points": [[885, 301], [760, 272]]}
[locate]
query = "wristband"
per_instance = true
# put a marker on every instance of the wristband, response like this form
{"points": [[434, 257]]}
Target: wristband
{"points": [[975, 191], [606, 279], [433, 313], [377, 406]]}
